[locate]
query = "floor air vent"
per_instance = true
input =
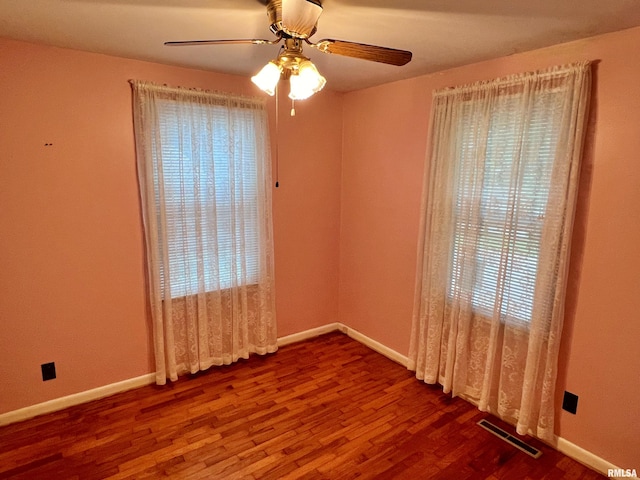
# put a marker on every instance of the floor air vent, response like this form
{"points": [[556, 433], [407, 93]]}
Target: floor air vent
{"points": [[516, 442]]}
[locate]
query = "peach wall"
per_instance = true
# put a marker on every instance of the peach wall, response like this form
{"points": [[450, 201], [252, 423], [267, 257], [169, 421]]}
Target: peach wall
{"points": [[71, 247], [307, 213], [385, 134], [385, 131]]}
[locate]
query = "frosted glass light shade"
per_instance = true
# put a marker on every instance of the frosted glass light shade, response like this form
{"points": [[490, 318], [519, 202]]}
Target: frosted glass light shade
{"points": [[307, 81], [300, 18], [267, 78]]}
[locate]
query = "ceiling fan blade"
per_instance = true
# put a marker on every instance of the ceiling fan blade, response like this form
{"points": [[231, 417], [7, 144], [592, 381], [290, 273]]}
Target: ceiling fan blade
{"points": [[299, 17], [254, 41], [374, 53]]}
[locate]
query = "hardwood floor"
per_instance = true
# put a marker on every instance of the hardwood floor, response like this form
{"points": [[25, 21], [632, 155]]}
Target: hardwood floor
{"points": [[325, 408]]}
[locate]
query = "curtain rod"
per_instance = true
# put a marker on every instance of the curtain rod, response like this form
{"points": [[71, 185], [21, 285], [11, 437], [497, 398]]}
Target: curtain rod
{"points": [[545, 74], [198, 92]]}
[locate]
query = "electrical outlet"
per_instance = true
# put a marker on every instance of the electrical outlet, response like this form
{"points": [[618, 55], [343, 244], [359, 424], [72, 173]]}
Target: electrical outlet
{"points": [[570, 402], [48, 371]]}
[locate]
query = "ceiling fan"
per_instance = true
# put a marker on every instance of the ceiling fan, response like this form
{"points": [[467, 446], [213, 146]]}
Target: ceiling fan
{"points": [[293, 22]]}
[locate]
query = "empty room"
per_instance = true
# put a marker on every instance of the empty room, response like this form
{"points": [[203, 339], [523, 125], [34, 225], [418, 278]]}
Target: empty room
{"points": [[269, 239]]}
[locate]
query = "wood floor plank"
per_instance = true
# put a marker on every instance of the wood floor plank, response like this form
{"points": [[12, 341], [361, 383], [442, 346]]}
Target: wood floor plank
{"points": [[324, 408]]}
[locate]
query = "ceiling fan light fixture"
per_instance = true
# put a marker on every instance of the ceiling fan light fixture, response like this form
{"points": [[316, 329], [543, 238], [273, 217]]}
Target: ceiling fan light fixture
{"points": [[306, 81], [267, 78]]}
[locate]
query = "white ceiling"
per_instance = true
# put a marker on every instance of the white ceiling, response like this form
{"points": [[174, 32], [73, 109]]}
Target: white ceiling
{"points": [[440, 33]]}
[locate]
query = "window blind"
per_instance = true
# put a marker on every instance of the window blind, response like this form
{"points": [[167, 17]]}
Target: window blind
{"points": [[209, 189], [505, 229]]}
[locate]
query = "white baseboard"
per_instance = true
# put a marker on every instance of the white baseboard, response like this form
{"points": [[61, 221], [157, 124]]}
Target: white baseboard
{"points": [[356, 335], [307, 334], [376, 346], [75, 399], [585, 457], [562, 445]]}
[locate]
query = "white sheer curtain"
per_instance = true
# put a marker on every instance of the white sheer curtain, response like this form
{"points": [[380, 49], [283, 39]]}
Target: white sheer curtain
{"points": [[498, 211], [204, 172]]}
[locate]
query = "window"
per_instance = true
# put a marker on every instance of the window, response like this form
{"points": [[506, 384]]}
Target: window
{"points": [[208, 184], [503, 229], [204, 174], [500, 195]]}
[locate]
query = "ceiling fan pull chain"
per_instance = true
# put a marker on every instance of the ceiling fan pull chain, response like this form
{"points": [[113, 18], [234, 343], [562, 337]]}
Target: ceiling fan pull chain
{"points": [[277, 137], [293, 108]]}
